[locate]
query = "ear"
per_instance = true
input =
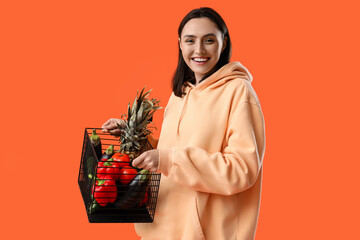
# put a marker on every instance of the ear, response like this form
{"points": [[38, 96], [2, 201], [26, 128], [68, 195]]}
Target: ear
{"points": [[224, 43], [180, 44]]}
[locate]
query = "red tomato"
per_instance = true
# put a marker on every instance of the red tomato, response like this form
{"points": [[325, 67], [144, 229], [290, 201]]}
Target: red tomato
{"points": [[127, 174], [122, 158]]}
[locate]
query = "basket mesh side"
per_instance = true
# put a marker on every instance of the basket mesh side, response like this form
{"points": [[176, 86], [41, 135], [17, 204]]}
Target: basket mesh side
{"points": [[109, 213], [87, 166]]}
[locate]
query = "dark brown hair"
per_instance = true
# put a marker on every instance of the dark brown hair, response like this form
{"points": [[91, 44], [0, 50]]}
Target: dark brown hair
{"points": [[183, 73]]}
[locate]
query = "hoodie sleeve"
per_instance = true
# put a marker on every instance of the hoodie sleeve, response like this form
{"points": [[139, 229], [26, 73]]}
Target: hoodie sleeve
{"points": [[231, 171]]}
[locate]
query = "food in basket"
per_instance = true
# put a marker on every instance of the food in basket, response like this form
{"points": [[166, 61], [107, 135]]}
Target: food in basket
{"points": [[115, 176], [96, 142], [109, 152], [129, 195], [136, 129], [105, 192], [127, 174], [108, 169], [133, 139], [136, 191], [122, 158]]}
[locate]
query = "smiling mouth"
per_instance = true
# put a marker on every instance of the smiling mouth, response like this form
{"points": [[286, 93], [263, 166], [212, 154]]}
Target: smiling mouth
{"points": [[200, 60]]}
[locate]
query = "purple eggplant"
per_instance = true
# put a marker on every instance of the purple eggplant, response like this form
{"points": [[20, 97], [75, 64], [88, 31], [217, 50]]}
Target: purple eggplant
{"points": [[96, 142], [134, 191], [109, 152]]}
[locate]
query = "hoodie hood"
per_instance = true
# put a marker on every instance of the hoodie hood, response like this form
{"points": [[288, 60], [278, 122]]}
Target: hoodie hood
{"points": [[226, 73]]}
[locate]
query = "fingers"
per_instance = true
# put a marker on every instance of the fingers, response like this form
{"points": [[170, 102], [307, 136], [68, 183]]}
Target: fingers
{"points": [[111, 125], [141, 161], [105, 126], [138, 160], [107, 123], [122, 123], [147, 160]]}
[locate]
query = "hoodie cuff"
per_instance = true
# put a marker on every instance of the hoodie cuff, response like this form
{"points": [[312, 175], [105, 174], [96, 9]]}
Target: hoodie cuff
{"points": [[166, 160]]}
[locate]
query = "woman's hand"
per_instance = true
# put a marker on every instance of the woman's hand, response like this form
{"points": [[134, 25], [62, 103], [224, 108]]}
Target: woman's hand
{"points": [[110, 126], [148, 160]]}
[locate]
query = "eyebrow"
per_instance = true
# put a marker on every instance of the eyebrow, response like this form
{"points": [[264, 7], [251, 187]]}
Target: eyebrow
{"points": [[207, 35]]}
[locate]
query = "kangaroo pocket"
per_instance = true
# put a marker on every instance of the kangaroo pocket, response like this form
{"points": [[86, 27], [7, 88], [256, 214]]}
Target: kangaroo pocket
{"points": [[182, 212], [176, 218], [197, 225]]}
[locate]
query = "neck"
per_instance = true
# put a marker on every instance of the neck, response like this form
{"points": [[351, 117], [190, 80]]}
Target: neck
{"points": [[199, 78]]}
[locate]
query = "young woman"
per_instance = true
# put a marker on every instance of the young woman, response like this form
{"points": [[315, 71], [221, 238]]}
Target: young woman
{"points": [[211, 144]]}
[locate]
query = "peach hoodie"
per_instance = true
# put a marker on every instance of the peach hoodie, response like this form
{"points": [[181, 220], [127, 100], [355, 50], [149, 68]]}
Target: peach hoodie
{"points": [[211, 146]]}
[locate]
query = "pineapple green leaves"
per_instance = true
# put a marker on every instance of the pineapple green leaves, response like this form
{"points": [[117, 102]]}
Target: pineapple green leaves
{"points": [[138, 118]]}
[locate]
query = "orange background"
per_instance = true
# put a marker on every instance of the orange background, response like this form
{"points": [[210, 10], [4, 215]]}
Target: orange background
{"points": [[67, 65]]}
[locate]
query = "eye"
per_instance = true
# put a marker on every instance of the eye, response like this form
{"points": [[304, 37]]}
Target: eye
{"points": [[209, 40], [189, 41]]}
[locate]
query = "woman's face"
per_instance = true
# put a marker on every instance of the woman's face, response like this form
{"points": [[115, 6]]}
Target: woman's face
{"points": [[201, 44]]}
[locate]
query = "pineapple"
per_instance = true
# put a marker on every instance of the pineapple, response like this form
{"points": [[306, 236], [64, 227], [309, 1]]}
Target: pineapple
{"points": [[134, 134]]}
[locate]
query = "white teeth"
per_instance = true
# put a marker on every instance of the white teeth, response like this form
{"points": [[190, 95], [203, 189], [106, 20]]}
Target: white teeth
{"points": [[200, 59]]}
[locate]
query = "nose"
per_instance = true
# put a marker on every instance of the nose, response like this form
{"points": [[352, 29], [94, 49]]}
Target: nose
{"points": [[199, 48]]}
